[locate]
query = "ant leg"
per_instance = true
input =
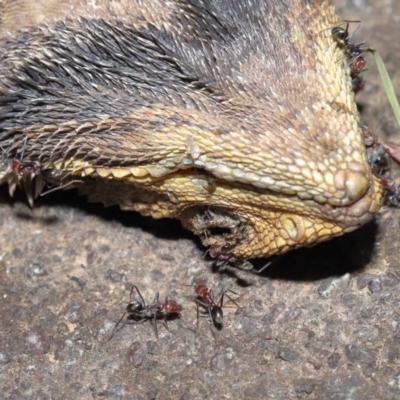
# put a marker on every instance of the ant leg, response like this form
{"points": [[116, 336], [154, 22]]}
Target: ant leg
{"points": [[212, 319], [115, 327], [165, 322], [230, 298], [207, 252], [54, 189], [347, 29], [138, 292], [134, 322], [355, 30], [199, 304], [156, 297], [270, 262], [155, 326], [198, 316], [221, 300]]}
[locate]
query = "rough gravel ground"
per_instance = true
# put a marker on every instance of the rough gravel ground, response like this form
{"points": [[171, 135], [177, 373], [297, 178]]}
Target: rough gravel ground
{"points": [[322, 323]]}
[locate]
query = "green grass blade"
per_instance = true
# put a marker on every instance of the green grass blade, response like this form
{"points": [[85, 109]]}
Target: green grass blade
{"points": [[387, 84]]}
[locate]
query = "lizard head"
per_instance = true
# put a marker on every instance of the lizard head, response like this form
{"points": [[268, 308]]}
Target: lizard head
{"points": [[237, 118]]}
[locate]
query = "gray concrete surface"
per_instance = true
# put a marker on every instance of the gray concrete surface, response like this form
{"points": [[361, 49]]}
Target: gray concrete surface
{"points": [[322, 323]]}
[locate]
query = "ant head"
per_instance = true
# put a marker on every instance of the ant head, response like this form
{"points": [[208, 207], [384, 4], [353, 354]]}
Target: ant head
{"points": [[217, 315], [214, 250], [202, 290], [51, 173], [172, 307], [340, 33], [134, 306], [25, 168], [383, 181]]}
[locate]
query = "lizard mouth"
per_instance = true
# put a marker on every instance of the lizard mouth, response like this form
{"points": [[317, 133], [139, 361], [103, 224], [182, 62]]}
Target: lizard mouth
{"points": [[268, 231], [216, 226], [253, 223]]}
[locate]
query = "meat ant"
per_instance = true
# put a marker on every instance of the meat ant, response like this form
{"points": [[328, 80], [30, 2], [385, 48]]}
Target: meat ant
{"points": [[34, 178], [228, 260], [392, 190], [224, 259], [205, 299], [379, 160], [28, 169], [25, 168], [138, 311], [29, 177], [356, 50], [344, 36]]}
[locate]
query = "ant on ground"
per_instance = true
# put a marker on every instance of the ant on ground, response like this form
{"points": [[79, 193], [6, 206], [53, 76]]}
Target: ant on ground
{"points": [[205, 299], [138, 311]]}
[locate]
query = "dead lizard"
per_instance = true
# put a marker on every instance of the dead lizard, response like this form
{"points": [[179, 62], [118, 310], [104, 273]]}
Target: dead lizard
{"points": [[237, 117]]}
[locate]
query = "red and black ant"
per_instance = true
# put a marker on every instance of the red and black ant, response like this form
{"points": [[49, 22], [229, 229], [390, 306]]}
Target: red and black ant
{"points": [[379, 160], [224, 259], [356, 50], [205, 299], [31, 169], [342, 35], [391, 190], [139, 311], [24, 168], [29, 176], [34, 178], [228, 259]]}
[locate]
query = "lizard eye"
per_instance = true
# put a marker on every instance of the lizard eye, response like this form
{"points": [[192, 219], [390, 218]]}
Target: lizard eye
{"points": [[294, 226]]}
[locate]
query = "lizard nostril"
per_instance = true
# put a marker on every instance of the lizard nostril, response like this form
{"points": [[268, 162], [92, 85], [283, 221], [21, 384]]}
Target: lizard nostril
{"points": [[355, 184]]}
